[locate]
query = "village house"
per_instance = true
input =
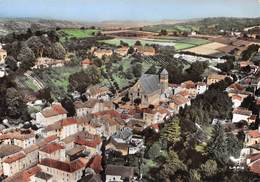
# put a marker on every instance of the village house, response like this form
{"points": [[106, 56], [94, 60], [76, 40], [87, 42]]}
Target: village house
{"points": [[155, 116], [215, 78], [113, 145], [253, 163], [119, 173], [148, 89], [92, 144], [3, 55], [252, 137], [42, 177], [62, 128], [91, 106], [86, 63], [97, 92], [111, 120], [122, 51], [63, 171], [145, 50], [237, 100], [192, 88], [102, 52], [14, 164], [177, 102], [26, 175], [91, 125], [51, 114], [6, 150], [52, 151], [21, 138], [45, 62], [241, 114]]}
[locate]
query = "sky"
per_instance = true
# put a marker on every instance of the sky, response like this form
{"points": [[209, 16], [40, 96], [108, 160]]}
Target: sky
{"points": [[136, 10]]}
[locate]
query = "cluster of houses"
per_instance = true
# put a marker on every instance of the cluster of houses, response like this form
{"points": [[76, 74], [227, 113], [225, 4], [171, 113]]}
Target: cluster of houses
{"points": [[3, 55], [64, 148]]}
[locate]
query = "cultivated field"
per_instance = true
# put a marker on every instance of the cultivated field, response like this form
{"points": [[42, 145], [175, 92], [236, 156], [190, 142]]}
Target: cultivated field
{"points": [[207, 49], [179, 43], [77, 33]]}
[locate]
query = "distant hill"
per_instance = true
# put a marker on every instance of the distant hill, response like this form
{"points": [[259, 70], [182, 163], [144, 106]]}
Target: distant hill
{"points": [[10, 25], [207, 25]]}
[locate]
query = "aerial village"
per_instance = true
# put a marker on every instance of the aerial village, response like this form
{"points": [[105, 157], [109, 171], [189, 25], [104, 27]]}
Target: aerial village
{"points": [[109, 136]]}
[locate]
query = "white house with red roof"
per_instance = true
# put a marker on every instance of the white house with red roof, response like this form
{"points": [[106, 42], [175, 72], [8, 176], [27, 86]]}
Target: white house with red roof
{"points": [[63, 171], [51, 114], [52, 151], [86, 63], [62, 128], [252, 137], [241, 114]]}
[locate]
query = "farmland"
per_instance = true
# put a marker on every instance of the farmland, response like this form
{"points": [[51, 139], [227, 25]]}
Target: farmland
{"points": [[178, 43], [77, 33]]}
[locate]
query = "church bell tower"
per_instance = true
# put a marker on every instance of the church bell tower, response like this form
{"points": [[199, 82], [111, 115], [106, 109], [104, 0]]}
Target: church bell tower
{"points": [[164, 80]]}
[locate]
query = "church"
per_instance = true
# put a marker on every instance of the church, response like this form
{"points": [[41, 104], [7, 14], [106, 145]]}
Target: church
{"points": [[149, 88]]}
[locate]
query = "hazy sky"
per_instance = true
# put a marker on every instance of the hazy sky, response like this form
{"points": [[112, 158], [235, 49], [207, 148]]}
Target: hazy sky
{"points": [[99, 10]]}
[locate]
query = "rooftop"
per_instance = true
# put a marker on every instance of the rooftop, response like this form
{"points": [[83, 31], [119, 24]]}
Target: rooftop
{"points": [[63, 166], [122, 171], [51, 147]]}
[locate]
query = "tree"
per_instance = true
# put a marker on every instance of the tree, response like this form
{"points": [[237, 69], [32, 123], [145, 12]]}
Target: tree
{"points": [[173, 163], [217, 146], [152, 70], [154, 151], [171, 133], [67, 103], [11, 63], [195, 175], [45, 94], [58, 51], [233, 145], [15, 106], [137, 69], [138, 43], [209, 168], [27, 58], [163, 32], [131, 50]]}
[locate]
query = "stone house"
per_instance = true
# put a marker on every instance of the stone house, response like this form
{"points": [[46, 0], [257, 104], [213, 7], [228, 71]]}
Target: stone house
{"points": [[119, 173], [63, 171], [215, 78], [52, 151], [51, 114], [241, 114]]}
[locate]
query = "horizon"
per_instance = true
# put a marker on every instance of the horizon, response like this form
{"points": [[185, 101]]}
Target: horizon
{"points": [[127, 10]]}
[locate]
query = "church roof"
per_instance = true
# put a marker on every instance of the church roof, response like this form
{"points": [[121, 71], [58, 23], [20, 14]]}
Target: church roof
{"points": [[149, 83]]}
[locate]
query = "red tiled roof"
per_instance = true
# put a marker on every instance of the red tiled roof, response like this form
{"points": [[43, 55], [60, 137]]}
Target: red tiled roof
{"points": [[242, 111], [15, 157], [95, 163], [237, 97], [24, 176], [63, 166], [90, 143], [254, 157], [254, 134], [51, 147], [255, 168], [68, 121], [86, 61], [111, 113], [59, 109]]}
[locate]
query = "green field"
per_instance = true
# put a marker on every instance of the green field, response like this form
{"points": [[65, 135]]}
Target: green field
{"points": [[179, 43], [77, 33]]}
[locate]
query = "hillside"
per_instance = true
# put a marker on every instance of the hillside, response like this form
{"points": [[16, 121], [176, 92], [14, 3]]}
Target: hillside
{"points": [[207, 25]]}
